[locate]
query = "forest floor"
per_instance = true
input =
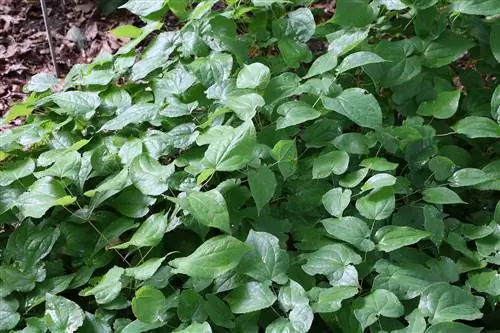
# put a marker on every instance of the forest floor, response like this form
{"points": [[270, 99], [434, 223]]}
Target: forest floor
{"points": [[24, 51]]}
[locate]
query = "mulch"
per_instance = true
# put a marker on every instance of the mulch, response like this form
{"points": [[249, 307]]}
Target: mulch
{"points": [[24, 51]]}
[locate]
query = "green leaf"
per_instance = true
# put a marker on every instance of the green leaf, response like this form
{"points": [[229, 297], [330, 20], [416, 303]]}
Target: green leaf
{"points": [[476, 7], [377, 205], [391, 237], [265, 261], [135, 114], [250, 297], [41, 196], [263, 184], [229, 148], [354, 178], [126, 31], [378, 303], [443, 107], [322, 64], [336, 201], [253, 76], [335, 262], [358, 59], [144, 8], [41, 82], [334, 161], [344, 40], [285, 153], [77, 103], [218, 312], [8, 314], [196, 328], [453, 327], [358, 105], [378, 164], [485, 282], [353, 13], [209, 208], [62, 315], [442, 302], [215, 68], [301, 317], [149, 176], [281, 325], [377, 181], [495, 104], [16, 170], [477, 127], [352, 230], [214, 257], [495, 41], [446, 49], [441, 196], [108, 288], [149, 233], [245, 106], [295, 113], [149, 305], [468, 177], [416, 323], [291, 296], [328, 300], [145, 270]]}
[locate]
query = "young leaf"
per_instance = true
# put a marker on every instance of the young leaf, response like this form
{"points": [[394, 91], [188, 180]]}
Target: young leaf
{"points": [[262, 185], [377, 181], [41, 196], [477, 127], [285, 153], [16, 170], [377, 205], [145, 270], [149, 305], [149, 176], [149, 233], [441, 196], [443, 107], [214, 257], [379, 303], [323, 64], [250, 297], [358, 105], [265, 261], [62, 315], [442, 302], [378, 164], [336, 201], [8, 314], [209, 208], [391, 237], [108, 288], [350, 229], [231, 151], [253, 76], [295, 113], [328, 300], [334, 161], [335, 262], [358, 59]]}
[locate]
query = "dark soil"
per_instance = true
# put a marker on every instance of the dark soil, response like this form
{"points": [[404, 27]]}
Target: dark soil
{"points": [[24, 51]]}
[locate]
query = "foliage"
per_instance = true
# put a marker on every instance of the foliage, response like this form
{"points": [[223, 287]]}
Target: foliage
{"points": [[263, 169]]}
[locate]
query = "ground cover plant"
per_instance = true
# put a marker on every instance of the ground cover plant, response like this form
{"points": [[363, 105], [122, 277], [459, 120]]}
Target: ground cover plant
{"points": [[266, 168]]}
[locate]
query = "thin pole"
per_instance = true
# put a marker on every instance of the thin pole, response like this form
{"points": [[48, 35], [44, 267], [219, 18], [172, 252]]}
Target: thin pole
{"points": [[49, 37]]}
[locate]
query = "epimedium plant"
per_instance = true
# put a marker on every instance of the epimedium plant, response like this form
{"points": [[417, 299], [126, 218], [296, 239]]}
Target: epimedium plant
{"points": [[264, 168]]}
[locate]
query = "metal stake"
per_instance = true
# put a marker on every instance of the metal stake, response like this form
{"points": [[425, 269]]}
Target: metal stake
{"points": [[49, 37]]}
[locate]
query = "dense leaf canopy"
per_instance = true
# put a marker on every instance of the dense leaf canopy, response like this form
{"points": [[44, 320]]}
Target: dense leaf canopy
{"points": [[264, 168]]}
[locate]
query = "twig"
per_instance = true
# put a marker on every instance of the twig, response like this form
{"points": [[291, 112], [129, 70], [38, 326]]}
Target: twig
{"points": [[49, 37]]}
